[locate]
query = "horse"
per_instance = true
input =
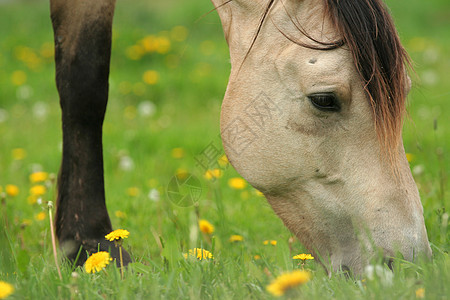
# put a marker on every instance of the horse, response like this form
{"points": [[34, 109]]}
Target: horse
{"points": [[312, 117]]}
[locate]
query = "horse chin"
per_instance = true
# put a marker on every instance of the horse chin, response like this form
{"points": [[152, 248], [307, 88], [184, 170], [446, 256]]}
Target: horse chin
{"points": [[347, 236]]}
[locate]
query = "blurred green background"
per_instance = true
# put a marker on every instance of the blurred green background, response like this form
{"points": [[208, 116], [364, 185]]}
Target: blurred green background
{"points": [[169, 71]]}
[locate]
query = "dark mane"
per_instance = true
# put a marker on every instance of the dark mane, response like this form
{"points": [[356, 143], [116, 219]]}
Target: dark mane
{"points": [[367, 29]]}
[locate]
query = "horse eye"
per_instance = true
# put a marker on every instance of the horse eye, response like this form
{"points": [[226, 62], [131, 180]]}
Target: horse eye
{"points": [[325, 102]]}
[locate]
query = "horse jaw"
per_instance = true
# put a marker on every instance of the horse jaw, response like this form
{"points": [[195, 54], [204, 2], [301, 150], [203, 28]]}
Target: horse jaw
{"points": [[323, 173]]}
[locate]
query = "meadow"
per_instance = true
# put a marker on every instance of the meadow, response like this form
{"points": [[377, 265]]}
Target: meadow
{"points": [[169, 71]]}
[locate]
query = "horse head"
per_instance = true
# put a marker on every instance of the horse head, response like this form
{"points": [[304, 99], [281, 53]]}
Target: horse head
{"points": [[312, 117]]}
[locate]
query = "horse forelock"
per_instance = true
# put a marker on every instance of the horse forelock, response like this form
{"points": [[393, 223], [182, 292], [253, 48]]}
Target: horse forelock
{"points": [[367, 28]]}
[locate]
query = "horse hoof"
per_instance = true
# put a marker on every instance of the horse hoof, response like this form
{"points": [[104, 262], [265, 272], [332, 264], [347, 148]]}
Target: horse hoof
{"points": [[77, 252]]}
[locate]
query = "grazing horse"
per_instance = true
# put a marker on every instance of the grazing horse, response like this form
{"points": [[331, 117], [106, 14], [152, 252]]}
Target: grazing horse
{"points": [[312, 117]]}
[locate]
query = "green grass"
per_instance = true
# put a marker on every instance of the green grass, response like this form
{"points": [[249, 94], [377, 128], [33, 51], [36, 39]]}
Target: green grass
{"points": [[187, 98]]}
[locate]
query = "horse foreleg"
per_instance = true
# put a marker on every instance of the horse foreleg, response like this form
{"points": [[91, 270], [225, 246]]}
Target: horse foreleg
{"points": [[82, 32]]}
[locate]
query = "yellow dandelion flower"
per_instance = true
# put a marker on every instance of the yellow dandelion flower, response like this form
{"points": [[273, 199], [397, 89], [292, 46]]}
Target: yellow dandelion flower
{"points": [[179, 33], [41, 216], [223, 161], [236, 238], [163, 45], [149, 43], [271, 242], [287, 281], [97, 261], [257, 257], [177, 153], [18, 153], [6, 289], [117, 235], [133, 191], [18, 78], [212, 174], [31, 199], [205, 226], [28, 56], [181, 173], [409, 157], [135, 52], [150, 77], [303, 256], [199, 253], [38, 190], [258, 193], [11, 190], [130, 112], [38, 177], [47, 50], [420, 293], [237, 183], [245, 195], [120, 214]]}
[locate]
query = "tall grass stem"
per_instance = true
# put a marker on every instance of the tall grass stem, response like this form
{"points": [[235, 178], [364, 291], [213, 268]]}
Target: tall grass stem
{"points": [[52, 231]]}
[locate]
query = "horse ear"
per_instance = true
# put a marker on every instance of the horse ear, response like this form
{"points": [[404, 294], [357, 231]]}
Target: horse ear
{"points": [[223, 8], [408, 85], [240, 20]]}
